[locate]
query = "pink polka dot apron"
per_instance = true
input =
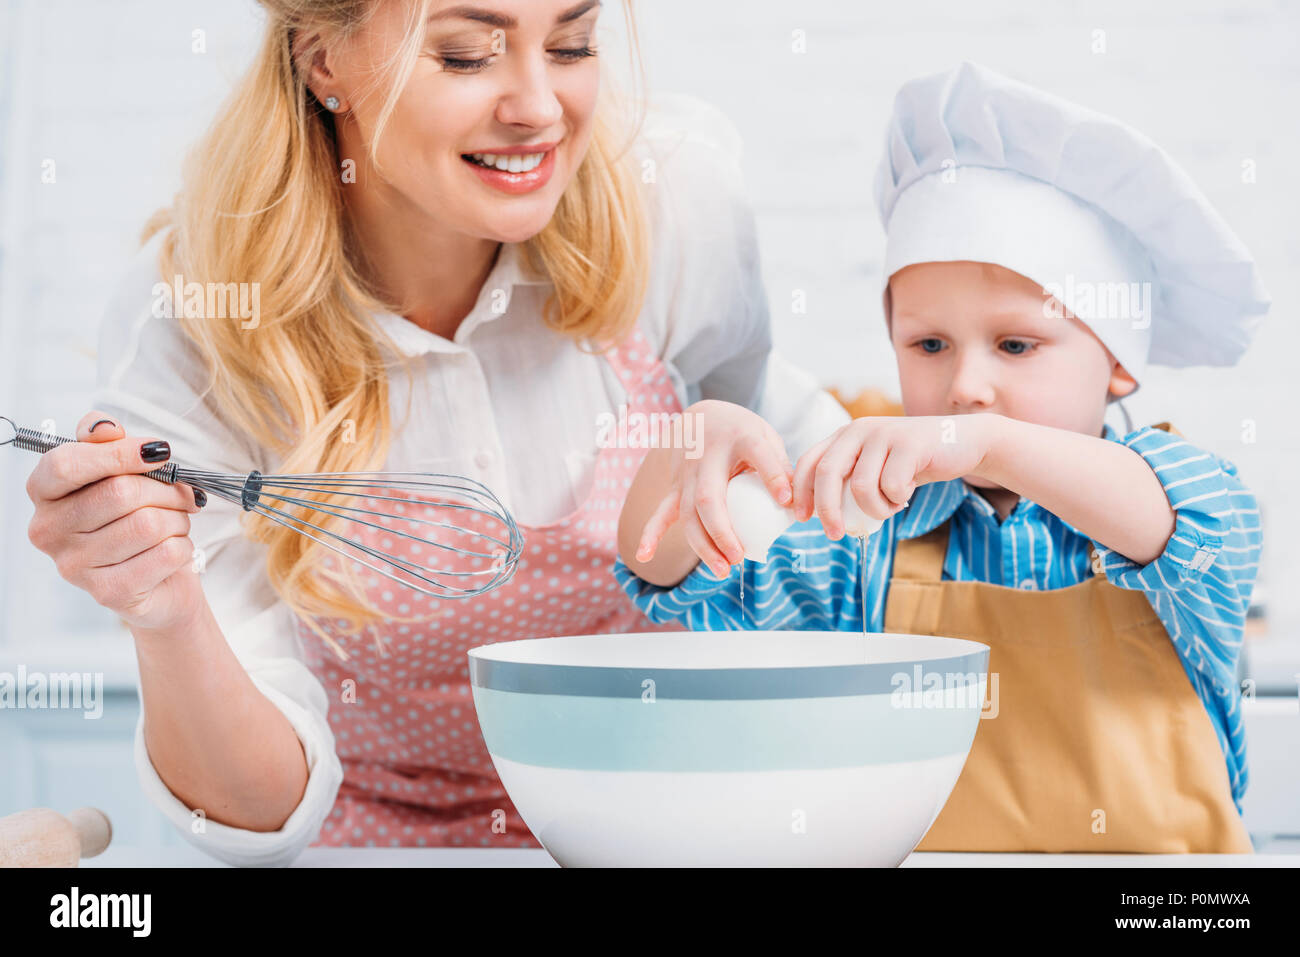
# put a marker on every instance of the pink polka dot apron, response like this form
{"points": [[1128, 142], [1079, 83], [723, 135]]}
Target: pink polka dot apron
{"points": [[415, 768]]}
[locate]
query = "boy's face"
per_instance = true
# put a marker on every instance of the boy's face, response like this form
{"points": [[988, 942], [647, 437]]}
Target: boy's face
{"points": [[975, 337]]}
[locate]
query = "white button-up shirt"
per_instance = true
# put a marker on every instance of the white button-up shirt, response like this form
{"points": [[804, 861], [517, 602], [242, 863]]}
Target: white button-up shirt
{"points": [[507, 401]]}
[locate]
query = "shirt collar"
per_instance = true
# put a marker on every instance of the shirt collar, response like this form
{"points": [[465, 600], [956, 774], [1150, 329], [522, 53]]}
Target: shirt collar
{"points": [[934, 503], [509, 273]]}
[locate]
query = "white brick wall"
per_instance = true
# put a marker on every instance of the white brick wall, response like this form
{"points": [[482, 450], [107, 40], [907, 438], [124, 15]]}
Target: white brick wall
{"points": [[112, 93]]}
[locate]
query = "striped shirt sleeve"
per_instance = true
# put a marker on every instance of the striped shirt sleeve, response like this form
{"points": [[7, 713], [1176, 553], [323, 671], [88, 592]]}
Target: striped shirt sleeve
{"points": [[1201, 584], [701, 600], [807, 584]]}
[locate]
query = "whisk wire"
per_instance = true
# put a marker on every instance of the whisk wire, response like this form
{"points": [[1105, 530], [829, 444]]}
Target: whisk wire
{"points": [[443, 591], [346, 511]]}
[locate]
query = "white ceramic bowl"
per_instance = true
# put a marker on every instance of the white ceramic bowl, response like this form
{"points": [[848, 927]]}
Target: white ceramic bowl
{"points": [[729, 748]]}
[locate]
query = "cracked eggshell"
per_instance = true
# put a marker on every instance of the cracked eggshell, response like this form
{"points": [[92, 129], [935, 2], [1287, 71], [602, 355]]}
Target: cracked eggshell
{"points": [[857, 523], [755, 515]]}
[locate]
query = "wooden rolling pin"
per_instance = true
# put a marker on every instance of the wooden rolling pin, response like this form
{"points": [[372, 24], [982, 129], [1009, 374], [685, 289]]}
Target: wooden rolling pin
{"points": [[44, 838]]}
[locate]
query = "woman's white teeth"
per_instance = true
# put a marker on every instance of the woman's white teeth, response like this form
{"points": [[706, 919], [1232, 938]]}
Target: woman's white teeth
{"points": [[509, 164]]}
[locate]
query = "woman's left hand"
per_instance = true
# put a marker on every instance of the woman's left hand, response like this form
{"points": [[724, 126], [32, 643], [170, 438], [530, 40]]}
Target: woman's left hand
{"points": [[884, 459]]}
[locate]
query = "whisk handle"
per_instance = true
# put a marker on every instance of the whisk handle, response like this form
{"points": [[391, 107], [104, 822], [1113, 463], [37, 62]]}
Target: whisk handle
{"points": [[42, 442]]}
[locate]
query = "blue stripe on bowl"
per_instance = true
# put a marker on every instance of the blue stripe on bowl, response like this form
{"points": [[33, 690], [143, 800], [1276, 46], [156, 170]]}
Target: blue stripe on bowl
{"points": [[720, 684], [586, 732]]}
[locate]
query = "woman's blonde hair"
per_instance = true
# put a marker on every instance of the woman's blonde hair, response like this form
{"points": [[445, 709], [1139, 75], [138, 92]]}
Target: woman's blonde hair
{"points": [[262, 197]]}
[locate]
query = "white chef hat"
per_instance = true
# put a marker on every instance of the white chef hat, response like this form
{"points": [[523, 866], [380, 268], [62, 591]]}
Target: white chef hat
{"points": [[983, 168]]}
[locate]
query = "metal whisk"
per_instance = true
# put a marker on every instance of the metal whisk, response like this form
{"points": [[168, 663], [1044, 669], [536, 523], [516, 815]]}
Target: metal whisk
{"points": [[377, 505]]}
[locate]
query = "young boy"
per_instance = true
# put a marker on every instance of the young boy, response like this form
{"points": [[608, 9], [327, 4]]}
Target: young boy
{"points": [[1038, 257]]}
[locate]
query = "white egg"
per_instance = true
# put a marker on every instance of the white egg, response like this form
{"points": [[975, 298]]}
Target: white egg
{"points": [[857, 522], [755, 515]]}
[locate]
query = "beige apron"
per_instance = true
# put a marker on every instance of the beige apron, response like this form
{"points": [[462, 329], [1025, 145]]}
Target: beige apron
{"points": [[1099, 743]]}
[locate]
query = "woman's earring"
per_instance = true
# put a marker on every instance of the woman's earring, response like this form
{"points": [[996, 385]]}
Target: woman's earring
{"points": [[332, 103]]}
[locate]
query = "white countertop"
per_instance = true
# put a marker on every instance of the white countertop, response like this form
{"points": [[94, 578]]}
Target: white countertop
{"points": [[520, 857]]}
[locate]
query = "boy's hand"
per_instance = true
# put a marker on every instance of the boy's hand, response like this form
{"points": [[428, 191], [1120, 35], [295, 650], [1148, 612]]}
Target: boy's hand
{"points": [[694, 494], [885, 458]]}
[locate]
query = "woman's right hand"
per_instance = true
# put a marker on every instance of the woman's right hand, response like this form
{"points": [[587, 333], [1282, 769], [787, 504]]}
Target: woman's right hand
{"points": [[114, 533]]}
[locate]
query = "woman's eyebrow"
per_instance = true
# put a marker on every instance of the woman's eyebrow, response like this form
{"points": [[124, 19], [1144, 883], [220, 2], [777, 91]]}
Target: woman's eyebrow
{"points": [[505, 21], [577, 12]]}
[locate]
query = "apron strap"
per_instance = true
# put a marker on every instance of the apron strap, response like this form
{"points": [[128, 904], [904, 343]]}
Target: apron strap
{"points": [[631, 358], [921, 558]]}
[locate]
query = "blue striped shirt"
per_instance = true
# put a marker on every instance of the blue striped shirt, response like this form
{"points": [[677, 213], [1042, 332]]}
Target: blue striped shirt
{"points": [[1200, 586]]}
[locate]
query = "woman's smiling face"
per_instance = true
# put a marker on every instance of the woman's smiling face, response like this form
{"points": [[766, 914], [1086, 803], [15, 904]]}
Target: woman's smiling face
{"points": [[510, 83]]}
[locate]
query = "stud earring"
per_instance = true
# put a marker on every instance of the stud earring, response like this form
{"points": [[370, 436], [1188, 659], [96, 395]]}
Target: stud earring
{"points": [[332, 103]]}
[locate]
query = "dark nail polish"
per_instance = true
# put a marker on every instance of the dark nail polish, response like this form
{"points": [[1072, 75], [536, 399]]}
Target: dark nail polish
{"points": [[200, 497], [102, 422], [155, 451]]}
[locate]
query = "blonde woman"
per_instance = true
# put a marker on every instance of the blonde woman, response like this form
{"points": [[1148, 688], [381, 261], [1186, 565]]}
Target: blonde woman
{"points": [[459, 255]]}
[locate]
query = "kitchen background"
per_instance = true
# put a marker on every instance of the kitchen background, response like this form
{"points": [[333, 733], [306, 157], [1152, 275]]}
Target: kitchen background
{"points": [[113, 93]]}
